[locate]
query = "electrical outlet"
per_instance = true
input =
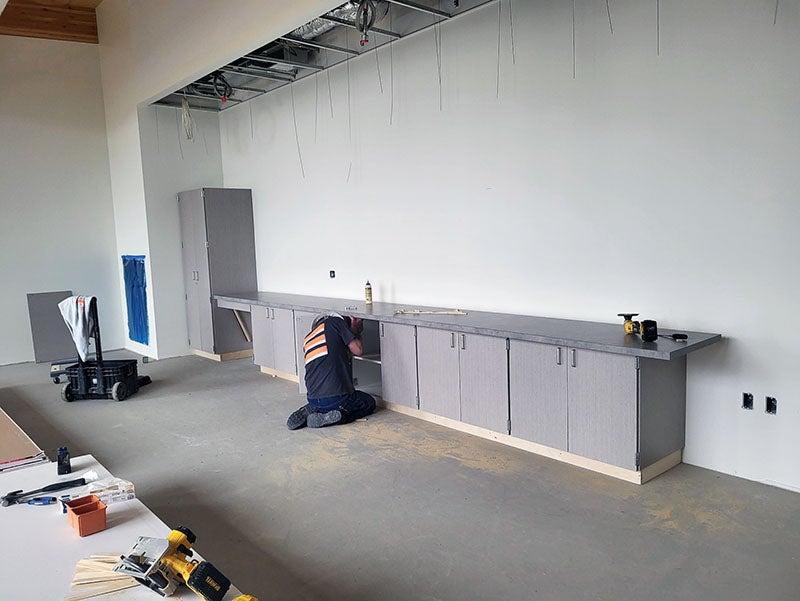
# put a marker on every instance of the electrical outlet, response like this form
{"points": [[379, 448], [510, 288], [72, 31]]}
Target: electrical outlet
{"points": [[333, 274], [747, 400], [772, 405]]}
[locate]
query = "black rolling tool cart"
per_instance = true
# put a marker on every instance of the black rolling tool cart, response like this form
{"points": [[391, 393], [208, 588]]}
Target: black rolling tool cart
{"points": [[99, 379]]}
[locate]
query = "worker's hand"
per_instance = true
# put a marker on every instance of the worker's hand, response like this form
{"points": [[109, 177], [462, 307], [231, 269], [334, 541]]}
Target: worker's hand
{"points": [[356, 325]]}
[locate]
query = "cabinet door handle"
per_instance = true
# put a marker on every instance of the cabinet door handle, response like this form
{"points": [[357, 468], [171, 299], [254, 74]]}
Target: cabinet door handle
{"points": [[452, 340], [273, 313], [463, 342], [572, 354], [558, 356]]}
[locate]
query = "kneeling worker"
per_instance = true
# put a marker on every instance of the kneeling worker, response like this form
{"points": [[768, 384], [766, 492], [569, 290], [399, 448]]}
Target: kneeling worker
{"points": [[332, 398]]}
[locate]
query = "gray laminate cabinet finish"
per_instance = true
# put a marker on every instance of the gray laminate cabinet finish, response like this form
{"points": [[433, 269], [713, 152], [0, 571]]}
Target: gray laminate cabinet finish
{"points": [[263, 337], [538, 393], [484, 381], [187, 206], [608, 337], [602, 401], [218, 254], [283, 338], [302, 326], [398, 348], [438, 372], [662, 408], [50, 336]]}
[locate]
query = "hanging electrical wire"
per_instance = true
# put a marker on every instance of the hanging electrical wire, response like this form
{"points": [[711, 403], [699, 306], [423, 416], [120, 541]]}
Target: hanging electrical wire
{"points": [[221, 87], [608, 12], [330, 88], [349, 111], [775, 18], [437, 41], [658, 27], [511, 28], [499, 40], [574, 54], [178, 131], [252, 130], [297, 135], [316, 104], [391, 67], [187, 120], [378, 69], [365, 19]]}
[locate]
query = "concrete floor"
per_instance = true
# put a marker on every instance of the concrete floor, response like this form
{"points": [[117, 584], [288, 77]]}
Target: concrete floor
{"points": [[399, 509]]}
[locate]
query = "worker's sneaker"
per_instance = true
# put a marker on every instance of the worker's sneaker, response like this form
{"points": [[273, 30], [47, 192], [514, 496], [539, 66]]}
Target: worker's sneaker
{"points": [[320, 420], [298, 419]]}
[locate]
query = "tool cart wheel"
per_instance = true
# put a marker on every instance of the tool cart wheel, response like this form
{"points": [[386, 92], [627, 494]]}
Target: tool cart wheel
{"points": [[67, 395], [119, 391]]}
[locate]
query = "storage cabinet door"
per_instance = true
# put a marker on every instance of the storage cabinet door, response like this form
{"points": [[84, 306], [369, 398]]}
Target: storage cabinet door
{"points": [[484, 381], [203, 277], [302, 326], [398, 364], [189, 254], [602, 406], [263, 345], [437, 354], [538, 390], [283, 337]]}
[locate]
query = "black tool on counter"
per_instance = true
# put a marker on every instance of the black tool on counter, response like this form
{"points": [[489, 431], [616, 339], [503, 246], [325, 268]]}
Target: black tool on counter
{"points": [[647, 329], [19, 497], [64, 465]]}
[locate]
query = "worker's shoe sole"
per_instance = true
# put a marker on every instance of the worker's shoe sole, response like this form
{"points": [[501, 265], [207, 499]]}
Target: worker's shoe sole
{"points": [[298, 419], [321, 420]]}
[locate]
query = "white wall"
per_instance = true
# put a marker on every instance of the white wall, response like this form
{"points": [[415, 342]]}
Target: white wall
{"points": [[171, 163], [56, 217], [146, 50], [665, 185]]}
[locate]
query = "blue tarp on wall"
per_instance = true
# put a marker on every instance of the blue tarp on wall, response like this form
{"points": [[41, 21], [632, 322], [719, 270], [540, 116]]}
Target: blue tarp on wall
{"points": [[136, 297]]}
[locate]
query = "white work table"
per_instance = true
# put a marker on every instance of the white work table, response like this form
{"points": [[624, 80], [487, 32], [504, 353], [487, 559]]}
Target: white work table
{"points": [[40, 550]]}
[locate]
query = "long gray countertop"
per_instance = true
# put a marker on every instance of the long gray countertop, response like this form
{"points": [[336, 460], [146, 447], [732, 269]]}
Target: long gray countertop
{"points": [[608, 337]]}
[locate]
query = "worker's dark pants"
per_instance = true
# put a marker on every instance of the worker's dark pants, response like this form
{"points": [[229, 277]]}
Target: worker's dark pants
{"points": [[353, 406]]}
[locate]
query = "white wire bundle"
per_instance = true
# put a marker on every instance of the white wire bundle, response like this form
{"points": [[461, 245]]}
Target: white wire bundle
{"points": [[186, 119]]}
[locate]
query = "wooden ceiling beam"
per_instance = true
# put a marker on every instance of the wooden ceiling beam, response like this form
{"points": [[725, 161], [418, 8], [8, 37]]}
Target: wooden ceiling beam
{"points": [[31, 19]]}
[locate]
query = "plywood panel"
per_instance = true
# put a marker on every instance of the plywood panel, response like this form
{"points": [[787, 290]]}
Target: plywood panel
{"points": [[56, 21]]}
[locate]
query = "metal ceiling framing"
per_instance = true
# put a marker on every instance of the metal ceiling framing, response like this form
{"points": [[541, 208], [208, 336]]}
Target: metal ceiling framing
{"points": [[291, 57]]}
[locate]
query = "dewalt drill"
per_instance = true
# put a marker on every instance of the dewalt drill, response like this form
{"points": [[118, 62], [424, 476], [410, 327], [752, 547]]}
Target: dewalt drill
{"points": [[163, 565]]}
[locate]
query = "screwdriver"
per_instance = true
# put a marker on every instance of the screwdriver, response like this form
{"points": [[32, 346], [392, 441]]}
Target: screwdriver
{"points": [[42, 501]]}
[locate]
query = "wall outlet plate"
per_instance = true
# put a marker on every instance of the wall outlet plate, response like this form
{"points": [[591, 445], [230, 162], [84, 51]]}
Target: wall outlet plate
{"points": [[332, 273], [747, 401], [772, 405]]}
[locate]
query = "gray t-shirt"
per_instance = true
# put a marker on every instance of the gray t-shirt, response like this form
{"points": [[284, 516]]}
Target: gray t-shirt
{"points": [[329, 368]]}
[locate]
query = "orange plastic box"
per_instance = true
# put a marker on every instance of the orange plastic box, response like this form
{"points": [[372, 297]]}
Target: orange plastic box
{"points": [[87, 515]]}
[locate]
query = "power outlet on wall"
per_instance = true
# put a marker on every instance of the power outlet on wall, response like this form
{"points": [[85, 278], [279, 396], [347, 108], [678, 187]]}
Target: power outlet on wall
{"points": [[772, 405], [747, 400], [333, 273]]}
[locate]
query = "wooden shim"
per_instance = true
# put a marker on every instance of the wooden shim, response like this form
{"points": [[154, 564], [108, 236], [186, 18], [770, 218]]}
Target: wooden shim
{"points": [[102, 590]]}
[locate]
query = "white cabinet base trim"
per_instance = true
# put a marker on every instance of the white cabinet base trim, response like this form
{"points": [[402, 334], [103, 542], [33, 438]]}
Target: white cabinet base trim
{"points": [[232, 356], [637, 477], [275, 373]]}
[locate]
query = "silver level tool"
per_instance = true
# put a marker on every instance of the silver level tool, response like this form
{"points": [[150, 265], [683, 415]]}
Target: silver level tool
{"points": [[430, 312]]}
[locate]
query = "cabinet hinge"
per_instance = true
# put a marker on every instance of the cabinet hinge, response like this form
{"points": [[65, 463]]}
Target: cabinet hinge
{"points": [[638, 461], [508, 425], [637, 363], [207, 244], [508, 344], [415, 335]]}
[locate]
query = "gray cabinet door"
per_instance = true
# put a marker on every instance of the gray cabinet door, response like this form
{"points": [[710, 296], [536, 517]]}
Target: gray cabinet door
{"points": [[203, 277], [602, 401], [189, 255], [398, 364], [437, 354], [484, 381], [263, 345], [283, 337], [538, 391], [303, 321]]}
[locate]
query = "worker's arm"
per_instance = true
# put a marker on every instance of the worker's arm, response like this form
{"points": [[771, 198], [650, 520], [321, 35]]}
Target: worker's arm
{"points": [[356, 326]]}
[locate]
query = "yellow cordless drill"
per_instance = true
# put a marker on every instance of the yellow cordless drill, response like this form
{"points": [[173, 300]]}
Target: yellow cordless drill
{"points": [[164, 564], [200, 576]]}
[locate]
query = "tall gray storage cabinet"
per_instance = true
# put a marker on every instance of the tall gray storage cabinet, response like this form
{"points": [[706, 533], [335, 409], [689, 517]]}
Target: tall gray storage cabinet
{"points": [[218, 246]]}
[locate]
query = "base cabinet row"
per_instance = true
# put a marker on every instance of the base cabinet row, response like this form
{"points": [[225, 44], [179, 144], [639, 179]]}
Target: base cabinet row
{"points": [[274, 338], [581, 401]]}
